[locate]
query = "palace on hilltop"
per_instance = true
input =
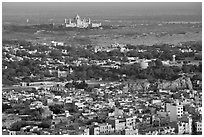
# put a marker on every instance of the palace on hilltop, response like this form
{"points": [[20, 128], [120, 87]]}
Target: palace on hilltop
{"points": [[80, 23]]}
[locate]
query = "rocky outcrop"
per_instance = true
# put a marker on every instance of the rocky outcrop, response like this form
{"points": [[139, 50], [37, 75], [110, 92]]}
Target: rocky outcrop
{"points": [[139, 85], [180, 83], [143, 85]]}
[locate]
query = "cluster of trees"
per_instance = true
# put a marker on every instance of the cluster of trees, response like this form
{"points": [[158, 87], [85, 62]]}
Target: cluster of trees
{"points": [[162, 52], [22, 68], [165, 51], [188, 68], [16, 42], [134, 71], [56, 54], [77, 85], [194, 45], [57, 109], [6, 107], [20, 124], [36, 114], [85, 72], [156, 70]]}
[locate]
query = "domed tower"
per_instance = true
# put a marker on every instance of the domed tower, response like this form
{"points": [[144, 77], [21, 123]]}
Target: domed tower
{"points": [[77, 17], [89, 21], [65, 21], [78, 20], [70, 21]]}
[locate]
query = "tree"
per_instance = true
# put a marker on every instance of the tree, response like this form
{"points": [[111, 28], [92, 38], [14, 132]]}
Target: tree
{"points": [[69, 85], [117, 103], [5, 107], [158, 63], [166, 55], [56, 54], [45, 124], [197, 77], [18, 125], [132, 53], [57, 109], [200, 67], [186, 69]]}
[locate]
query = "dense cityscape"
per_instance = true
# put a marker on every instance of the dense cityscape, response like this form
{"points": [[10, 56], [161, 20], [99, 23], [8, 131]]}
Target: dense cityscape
{"points": [[52, 87]]}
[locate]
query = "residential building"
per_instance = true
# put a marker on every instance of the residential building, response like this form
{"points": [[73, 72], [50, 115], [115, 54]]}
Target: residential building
{"points": [[131, 131], [117, 123], [130, 121], [198, 126], [95, 130], [185, 124], [105, 128], [175, 110]]}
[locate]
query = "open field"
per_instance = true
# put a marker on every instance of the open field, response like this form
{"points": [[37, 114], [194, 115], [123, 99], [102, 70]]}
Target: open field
{"points": [[136, 34]]}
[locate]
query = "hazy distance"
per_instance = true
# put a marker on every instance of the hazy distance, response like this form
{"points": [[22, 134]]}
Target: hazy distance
{"points": [[43, 11]]}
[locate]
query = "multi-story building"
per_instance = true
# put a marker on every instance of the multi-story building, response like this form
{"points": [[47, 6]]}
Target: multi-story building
{"points": [[116, 113], [117, 123], [62, 73], [175, 110], [84, 130], [105, 128], [130, 121], [185, 124], [131, 131], [95, 130], [80, 23], [198, 126]]}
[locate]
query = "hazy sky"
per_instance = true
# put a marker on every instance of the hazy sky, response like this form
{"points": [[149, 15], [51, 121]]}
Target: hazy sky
{"points": [[59, 10], [112, 8]]}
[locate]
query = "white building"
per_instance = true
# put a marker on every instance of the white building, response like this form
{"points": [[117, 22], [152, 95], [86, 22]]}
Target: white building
{"points": [[80, 23], [36, 104], [105, 128], [55, 43], [95, 130], [118, 123], [175, 110], [198, 126], [131, 131], [144, 64], [130, 122], [185, 124]]}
